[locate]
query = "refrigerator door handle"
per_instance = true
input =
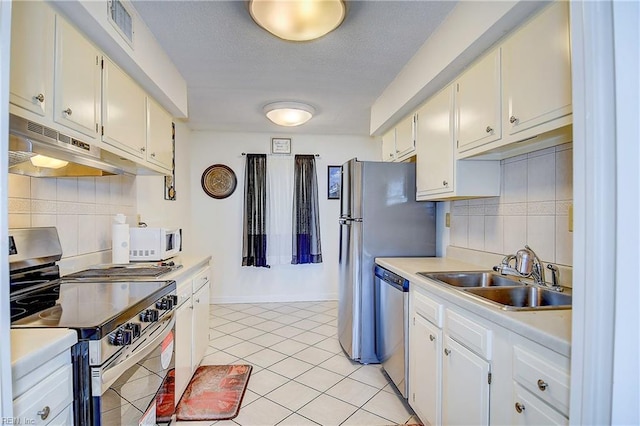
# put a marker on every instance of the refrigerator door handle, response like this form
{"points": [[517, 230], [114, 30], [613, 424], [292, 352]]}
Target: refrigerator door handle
{"points": [[349, 220]]}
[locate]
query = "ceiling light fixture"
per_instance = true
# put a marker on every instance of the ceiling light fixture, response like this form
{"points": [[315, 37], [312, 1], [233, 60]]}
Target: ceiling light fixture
{"points": [[298, 20], [289, 114]]}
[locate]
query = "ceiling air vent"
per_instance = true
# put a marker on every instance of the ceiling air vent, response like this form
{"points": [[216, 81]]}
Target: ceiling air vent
{"points": [[121, 19]]}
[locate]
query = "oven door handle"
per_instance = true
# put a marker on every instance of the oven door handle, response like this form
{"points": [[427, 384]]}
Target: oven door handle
{"points": [[112, 373]]}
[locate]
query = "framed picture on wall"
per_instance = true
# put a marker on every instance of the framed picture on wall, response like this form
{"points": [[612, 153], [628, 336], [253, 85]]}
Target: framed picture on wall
{"points": [[334, 174], [281, 146]]}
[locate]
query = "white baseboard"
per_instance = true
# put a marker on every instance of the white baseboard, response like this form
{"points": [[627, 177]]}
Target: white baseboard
{"points": [[272, 298]]}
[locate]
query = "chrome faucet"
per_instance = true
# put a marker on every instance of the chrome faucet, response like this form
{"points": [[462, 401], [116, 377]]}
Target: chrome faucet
{"points": [[527, 265]]}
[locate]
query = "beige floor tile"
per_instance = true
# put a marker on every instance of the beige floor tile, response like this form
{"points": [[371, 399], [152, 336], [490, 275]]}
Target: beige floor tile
{"points": [[371, 375], [265, 381], [214, 334], [306, 324], [230, 327], [287, 319], [265, 357], [309, 338], [331, 344], [254, 310], [302, 314], [231, 315], [388, 406], [327, 410], [224, 342], [291, 367], [217, 321], [341, 364], [192, 423], [251, 321], [262, 412], [289, 347], [249, 396], [248, 333], [325, 330], [293, 395], [243, 349], [219, 358], [268, 326], [286, 309], [296, 420], [352, 391], [313, 355], [319, 379], [365, 418], [322, 318], [267, 339], [288, 331], [269, 315]]}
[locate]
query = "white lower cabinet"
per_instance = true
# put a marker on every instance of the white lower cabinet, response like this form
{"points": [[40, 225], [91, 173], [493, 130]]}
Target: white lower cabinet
{"points": [[192, 326], [465, 386], [425, 365], [530, 410]]}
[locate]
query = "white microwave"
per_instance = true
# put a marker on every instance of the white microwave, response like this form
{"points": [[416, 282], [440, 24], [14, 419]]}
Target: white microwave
{"points": [[154, 244]]}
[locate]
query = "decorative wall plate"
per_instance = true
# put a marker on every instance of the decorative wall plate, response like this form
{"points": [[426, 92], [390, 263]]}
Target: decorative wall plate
{"points": [[218, 181]]}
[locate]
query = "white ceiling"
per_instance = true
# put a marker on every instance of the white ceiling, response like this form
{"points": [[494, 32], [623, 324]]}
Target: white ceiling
{"points": [[233, 68]]}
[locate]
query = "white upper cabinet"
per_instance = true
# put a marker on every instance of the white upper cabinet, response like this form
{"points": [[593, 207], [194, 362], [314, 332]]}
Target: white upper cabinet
{"points": [[124, 117], [434, 161], [77, 80], [536, 70], [159, 135], [389, 145], [405, 137], [478, 103], [32, 52]]}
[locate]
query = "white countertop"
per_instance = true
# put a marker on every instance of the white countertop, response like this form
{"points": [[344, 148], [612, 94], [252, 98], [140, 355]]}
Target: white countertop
{"points": [[550, 328], [30, 348], [190, 264]]}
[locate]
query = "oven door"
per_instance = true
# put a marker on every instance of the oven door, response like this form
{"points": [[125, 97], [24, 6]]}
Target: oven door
{"points": [[133, 387]]}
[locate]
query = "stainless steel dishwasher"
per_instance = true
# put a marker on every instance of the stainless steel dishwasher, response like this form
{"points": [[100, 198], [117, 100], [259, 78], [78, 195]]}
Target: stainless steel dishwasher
{"points": [[392, 326]]}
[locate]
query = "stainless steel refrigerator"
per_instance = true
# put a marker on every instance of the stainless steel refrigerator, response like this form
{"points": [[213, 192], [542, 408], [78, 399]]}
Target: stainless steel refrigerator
{"points": [[379, 217]]}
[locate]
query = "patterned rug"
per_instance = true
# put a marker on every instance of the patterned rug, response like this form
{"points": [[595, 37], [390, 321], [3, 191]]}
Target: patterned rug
{"points": [[214, 393]]}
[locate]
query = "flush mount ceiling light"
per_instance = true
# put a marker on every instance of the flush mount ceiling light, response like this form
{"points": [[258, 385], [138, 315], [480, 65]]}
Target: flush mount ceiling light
{"points": [[289, 114], [298, 20]]}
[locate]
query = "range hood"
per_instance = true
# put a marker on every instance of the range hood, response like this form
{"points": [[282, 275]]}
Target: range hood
{"points": [[30, 141]]}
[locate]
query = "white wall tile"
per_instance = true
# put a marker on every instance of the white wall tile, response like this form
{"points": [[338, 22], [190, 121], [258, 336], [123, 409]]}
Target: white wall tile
{"points": [[564, 175], [115, 190], [87, 241], [87, 190], [459, 231], [129, 195], [564, 241], [19, 220], [514, 177], [67, 189], [541, 178], [44, 188], [103, 232], [19, 205], [103, 190], [19, 186], [494, 234], [541, 236], [38, 220], [515, 233], [68, 231], [476, 232]]}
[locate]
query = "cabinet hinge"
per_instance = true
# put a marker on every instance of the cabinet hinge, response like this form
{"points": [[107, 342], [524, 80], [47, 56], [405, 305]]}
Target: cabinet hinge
{"points": [[489, 378], [96, 127], [414, 320], [102, 133], [414, 397], [102, 63], [97, 60], [457, 87]]}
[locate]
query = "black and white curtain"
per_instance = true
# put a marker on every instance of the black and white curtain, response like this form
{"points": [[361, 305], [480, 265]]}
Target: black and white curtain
{"points": [[254, 232], [306, 214]]}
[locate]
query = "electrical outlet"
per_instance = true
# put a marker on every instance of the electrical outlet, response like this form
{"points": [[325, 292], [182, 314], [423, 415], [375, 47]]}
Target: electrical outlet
{"points": [[570, 217], [447, 220]]}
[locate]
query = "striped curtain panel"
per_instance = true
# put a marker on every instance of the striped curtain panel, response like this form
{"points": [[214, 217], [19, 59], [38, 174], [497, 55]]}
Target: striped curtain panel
{"points": [[254, 232], [306, 214]]}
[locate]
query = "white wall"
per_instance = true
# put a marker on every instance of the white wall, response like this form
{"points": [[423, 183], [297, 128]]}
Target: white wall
{"points": [[533, 207], [218, 223]]}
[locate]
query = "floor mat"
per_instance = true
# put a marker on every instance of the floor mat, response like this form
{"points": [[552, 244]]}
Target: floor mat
{"points": [[214, 393]]}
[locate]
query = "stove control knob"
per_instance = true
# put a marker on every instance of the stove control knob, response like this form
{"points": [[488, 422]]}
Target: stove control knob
{"points": [[134, 328], [175, 299], [165, 304], [121, 337], [149, 315]]}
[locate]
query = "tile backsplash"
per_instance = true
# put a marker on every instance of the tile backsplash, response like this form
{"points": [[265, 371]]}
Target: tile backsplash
{"points": [[81, 208], [533, 208]]}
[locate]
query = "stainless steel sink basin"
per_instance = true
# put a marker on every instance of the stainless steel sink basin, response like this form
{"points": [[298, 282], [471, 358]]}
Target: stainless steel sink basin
{"points": [[523, 297], [472, 279]]}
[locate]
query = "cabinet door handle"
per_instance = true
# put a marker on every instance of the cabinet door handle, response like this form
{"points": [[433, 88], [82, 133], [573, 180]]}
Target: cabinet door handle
{"points": [[143, 149], [153, 154], [542, 385], [391, 154], [432, 337], [44, 413], [67, 111], [445, 183], [39, 98], [512, 119], [519, 407], [197, 300], [489, 129], [447, 352]]}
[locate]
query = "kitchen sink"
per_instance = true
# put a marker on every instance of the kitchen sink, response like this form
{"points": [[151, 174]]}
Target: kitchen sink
{"points": [[528, 297], [472, 279]]}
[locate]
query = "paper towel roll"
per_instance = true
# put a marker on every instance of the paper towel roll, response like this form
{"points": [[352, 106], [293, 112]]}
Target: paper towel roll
{"points": [[120, 241]]}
